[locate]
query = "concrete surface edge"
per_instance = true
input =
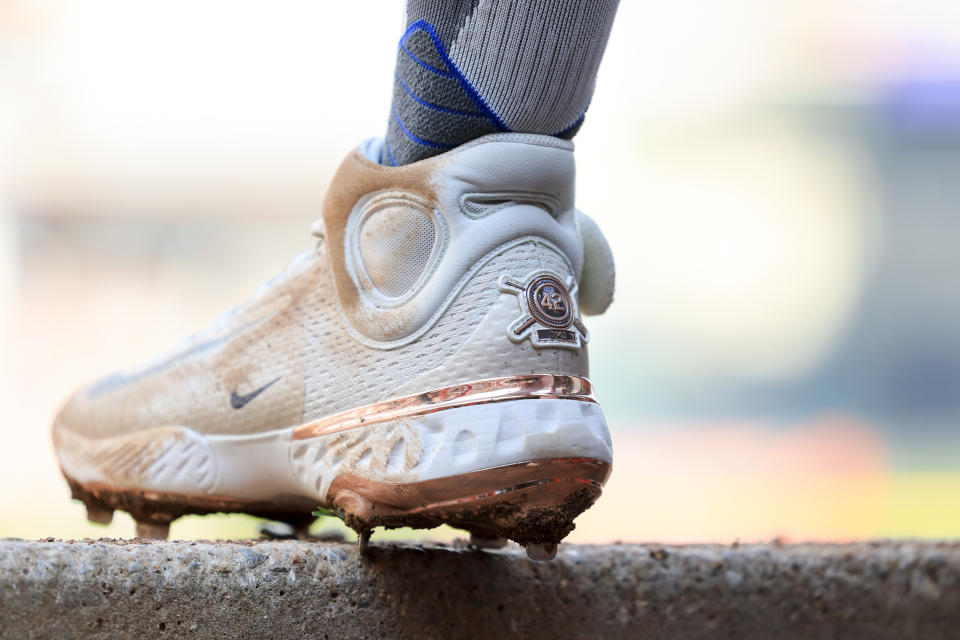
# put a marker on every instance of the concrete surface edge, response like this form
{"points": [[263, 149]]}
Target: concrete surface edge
{"points": [[133, 589]]}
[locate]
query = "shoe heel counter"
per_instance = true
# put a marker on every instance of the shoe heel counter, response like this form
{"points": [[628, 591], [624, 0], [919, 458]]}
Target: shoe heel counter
{"points": [[496, 310], [403, 241]]}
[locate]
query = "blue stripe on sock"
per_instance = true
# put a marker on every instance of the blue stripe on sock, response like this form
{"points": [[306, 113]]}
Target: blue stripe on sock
{"points": [[386, 143], [454, 72], [426, 65], [436, 107], [567, 130], [426, 143]]}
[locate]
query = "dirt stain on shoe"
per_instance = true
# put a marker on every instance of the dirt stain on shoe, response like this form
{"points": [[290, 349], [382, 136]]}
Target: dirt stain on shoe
{"points": [[356, 177], [124, 461]]}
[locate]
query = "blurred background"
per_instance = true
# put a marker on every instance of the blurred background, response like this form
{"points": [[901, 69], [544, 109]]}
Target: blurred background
{"points": [[780, 181]]}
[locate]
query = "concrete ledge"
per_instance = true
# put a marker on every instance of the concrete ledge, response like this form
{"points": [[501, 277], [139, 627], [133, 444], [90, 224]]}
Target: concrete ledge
{"points": [[129, 589]]}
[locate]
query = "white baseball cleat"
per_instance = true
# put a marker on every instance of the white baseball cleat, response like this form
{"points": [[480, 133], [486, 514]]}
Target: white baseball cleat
{"points": [[426, 363]]}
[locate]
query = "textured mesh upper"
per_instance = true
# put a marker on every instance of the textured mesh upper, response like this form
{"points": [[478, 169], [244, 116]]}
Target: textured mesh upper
{"points": [[342, 374], [395, 246], [292, 338]]}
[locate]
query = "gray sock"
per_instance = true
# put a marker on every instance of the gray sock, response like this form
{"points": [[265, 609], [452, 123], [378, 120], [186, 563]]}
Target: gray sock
{"points": [[466, 68]]}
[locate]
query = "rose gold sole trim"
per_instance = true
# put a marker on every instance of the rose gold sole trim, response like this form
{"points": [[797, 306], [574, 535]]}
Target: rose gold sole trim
{"points": [[423, 495], [522, 486], [462, 395]]}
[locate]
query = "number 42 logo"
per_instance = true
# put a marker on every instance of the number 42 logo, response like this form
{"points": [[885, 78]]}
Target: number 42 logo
{"points": [[550, 316]]}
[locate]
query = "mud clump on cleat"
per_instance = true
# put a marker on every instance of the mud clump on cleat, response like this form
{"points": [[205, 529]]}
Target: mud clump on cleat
{"points": [[550, 525], [538, 525], [542, 526], [529, 503]]}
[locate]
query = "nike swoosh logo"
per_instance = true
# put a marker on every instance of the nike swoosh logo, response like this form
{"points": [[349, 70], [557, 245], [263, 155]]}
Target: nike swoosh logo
{"points": [[239, 402]]}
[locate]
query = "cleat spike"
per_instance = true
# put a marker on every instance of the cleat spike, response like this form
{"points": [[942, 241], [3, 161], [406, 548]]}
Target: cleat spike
{"points": [[301, 530], [293, 529], [276, 531], [364, 542], [98, 512], [542, 551], [298, 529], [481, 542], [152, 530]]}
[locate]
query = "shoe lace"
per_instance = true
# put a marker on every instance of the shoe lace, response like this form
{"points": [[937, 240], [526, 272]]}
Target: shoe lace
{"points": [[316, 229]]}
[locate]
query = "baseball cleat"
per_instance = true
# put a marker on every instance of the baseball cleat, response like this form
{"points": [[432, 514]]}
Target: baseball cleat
{"points": [[424, 363]]}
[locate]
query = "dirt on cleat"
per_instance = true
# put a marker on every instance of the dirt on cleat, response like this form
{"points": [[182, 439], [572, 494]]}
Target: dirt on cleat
{"points": [[156, 506], [525, 511], [532, 503]]}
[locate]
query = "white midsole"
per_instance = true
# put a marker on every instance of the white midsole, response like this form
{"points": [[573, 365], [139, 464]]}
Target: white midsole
{"points": [[271, 465]]}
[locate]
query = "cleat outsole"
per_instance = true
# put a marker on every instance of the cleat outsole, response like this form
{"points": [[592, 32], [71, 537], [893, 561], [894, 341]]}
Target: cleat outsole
{"points": [[532, 503]]}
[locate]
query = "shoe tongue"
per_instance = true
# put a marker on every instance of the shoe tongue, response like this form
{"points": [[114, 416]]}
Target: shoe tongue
{"points": [[372, 148], [224, 319]]}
